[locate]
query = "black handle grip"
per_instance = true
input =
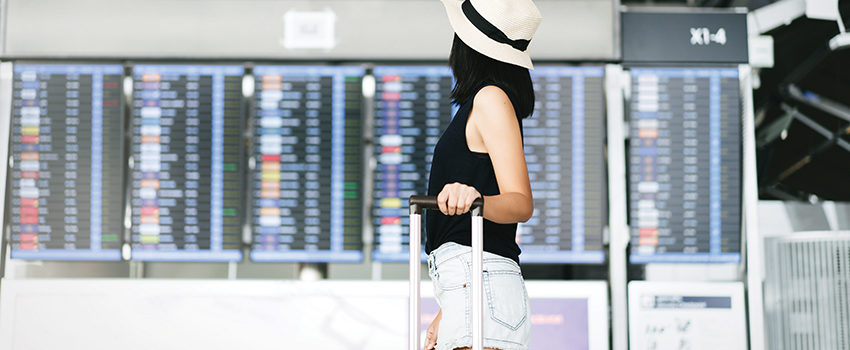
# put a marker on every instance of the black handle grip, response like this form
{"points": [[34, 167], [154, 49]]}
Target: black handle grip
{"points": [[417, 203]]}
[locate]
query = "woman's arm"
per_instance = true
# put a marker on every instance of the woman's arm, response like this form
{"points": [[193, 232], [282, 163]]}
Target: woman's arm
{"points": [[493, 128]]}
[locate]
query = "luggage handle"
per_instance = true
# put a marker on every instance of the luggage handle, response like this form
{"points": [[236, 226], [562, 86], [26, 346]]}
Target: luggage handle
{"points": [[417, 204]]}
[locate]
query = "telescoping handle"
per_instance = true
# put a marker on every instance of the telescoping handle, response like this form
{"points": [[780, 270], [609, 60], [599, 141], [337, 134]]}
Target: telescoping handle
{"points": [[417, 204]]}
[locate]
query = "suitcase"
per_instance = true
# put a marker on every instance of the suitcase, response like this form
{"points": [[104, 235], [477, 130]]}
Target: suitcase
{"points": [[417, 204]]}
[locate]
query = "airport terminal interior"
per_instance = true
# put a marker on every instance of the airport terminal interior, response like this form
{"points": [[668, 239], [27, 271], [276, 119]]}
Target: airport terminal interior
{"points": [[236, 174]]}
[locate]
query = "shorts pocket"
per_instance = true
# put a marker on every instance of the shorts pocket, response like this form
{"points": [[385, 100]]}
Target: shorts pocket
{"points": [[506, 297], [451, 274]]}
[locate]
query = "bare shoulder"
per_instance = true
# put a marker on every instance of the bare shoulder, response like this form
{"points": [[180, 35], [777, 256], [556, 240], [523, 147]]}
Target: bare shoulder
{"points": [[494, 102]]}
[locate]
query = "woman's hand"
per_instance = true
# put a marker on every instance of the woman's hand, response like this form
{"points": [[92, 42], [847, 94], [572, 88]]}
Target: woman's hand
{"points": [[431, 334], [456, 198]]}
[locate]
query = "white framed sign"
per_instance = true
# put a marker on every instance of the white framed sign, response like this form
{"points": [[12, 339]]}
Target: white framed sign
{"points": [[687, 315], [309, 30]]}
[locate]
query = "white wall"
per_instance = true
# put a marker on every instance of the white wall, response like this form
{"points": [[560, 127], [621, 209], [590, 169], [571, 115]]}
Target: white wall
{"points": [[365, 29], [125, 314]]}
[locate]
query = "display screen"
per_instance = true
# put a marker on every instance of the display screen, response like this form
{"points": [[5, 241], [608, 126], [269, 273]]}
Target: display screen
{"points": [[564, 148], [307, 152], [412, 108], [685, 165], [187, 182], [67, 170], [564, 142]]}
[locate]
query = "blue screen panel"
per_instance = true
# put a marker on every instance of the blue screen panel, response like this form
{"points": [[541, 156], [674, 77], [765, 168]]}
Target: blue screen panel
{"points": [[685, 165], [306, 185], [564, 143], [66, 198], [186, 190], [412, 108]]}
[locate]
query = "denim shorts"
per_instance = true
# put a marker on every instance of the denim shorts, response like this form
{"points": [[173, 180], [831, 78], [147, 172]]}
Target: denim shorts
{"points": [[507, 312]]}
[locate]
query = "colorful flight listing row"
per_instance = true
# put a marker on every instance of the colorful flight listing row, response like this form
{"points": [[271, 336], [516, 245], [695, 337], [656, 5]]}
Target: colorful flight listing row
{"points": [[685, 165], [186, 179], [67, 162], [307, 153], [412, 109]]}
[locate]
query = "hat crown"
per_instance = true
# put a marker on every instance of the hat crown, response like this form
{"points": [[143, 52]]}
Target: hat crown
{"points": [[518, 19], [499, 29]]}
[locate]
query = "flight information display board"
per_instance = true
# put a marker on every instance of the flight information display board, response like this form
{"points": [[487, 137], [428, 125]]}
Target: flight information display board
{"points": [[67, 170], [564, 142], [685, 165], [306, 184], [412, 108], [187, 180], [564, 147]]}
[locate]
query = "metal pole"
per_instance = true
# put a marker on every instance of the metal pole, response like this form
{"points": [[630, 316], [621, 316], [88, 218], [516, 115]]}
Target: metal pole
{"points": [[477, 279], [415, 278], [617, 212], [6, 77], [753, 252]]}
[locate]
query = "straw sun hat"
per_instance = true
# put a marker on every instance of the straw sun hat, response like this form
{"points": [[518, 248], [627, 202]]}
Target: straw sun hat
{"points": [[499, 29]]}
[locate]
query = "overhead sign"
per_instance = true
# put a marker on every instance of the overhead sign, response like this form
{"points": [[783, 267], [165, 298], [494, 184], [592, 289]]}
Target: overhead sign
{"points": [[309, 30], [670, 37]]}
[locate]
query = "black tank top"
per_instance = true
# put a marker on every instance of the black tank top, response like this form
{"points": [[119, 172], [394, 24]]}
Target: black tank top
{"points": [[454, 162]]}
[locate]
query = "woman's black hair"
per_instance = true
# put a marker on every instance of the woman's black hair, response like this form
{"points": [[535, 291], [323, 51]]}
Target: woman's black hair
{"points": [[473, 70]]}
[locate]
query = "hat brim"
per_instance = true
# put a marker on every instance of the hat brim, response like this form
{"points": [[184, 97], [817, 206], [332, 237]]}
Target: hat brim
{"points": [[474, 38]]}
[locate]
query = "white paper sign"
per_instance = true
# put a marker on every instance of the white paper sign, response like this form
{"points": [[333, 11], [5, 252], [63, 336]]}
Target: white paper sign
{"points": [[687, 316], [309, 30]]}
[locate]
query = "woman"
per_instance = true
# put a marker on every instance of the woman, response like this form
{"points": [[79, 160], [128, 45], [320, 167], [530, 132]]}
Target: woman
{"points": [[481, 154]]}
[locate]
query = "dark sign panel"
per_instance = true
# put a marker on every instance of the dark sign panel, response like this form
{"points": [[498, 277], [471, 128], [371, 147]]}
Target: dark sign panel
{"points": [[684, 37]]}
